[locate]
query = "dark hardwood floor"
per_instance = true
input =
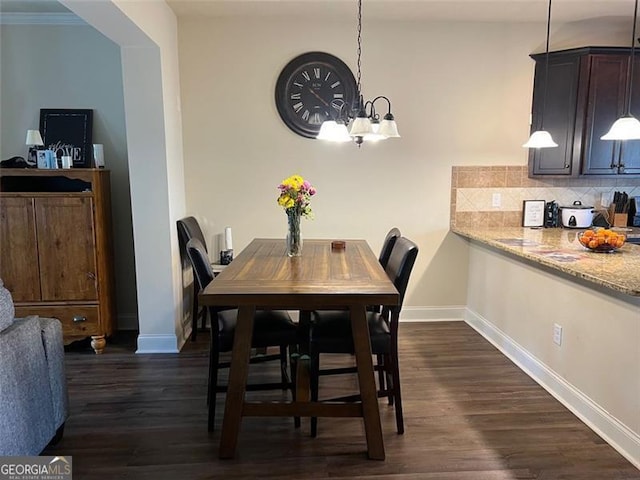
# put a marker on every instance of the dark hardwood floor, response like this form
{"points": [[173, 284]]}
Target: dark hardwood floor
{"points": [[470, 414]]}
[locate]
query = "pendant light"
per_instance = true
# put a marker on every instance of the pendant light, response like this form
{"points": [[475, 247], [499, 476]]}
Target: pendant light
{"points": [[627, 127], [541, 138], [361, 123]]}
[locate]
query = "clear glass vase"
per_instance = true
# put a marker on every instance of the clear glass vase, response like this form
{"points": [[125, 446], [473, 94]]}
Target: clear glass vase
{"points": [[294, 237]]}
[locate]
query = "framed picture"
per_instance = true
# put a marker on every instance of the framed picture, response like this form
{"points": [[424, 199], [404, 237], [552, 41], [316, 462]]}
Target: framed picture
{"points": [[533, 213], [68, 133]]}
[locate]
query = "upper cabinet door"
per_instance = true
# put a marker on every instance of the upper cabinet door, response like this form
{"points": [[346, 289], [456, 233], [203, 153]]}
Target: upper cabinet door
{"points": [[605, 103], [18, 249], [66, 245], [556, 114], [630, 150]]}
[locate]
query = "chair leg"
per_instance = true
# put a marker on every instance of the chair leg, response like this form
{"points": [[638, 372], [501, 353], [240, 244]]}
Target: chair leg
{"points": [[293, 363], [284, 376], [388, 371], [214, 359], [202, 315], [314, 376], [194, 314], [380, 363], [211, 364], [395, 373]]}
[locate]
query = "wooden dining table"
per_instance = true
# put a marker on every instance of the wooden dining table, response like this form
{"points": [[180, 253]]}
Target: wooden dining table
{"points": [[262, 276]]}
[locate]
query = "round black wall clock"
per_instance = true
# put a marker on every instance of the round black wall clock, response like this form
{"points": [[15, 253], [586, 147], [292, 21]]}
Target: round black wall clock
{"points": [[312, 88]]}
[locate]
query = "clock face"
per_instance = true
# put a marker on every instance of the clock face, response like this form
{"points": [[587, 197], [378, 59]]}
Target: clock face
{"points": [[312, 88]]}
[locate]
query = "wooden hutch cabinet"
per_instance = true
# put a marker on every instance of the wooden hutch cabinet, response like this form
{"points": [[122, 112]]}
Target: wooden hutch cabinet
{"points": [[56, 254], [586, 93]]}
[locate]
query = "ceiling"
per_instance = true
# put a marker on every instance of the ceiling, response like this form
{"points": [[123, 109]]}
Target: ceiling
{"points": [[461, 10]]}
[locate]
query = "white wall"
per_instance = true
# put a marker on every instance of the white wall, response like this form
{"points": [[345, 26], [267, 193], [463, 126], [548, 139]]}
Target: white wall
{"points": [[461, 95], [147, 35], [45, 66], [596, 370]]}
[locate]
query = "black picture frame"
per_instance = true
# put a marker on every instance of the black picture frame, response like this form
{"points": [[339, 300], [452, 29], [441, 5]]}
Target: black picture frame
{"points": [[68, 131]]}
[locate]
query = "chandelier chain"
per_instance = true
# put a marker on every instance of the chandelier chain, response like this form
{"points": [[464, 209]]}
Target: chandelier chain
{"points": [[359, 44]]}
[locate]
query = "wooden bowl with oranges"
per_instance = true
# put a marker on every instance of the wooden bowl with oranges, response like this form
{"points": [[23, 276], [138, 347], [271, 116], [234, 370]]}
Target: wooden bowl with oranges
{"points": [[601, 240]]}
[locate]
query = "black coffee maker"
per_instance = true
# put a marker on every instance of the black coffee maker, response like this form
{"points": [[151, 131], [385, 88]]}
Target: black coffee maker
{"points": [[551, 214]]}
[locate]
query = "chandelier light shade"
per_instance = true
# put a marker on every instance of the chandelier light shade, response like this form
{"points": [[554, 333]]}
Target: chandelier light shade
{"points": [[541, 138], [360, 122], [627, 127], [361, 126], [388, 127], [333, 131]]}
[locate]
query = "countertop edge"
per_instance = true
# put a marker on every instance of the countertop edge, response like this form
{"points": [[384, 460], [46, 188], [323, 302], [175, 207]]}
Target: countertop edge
{"points": [[482, 237]]}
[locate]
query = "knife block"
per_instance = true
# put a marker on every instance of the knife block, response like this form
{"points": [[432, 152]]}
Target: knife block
{"points": [[617, 219], [620, 219]]}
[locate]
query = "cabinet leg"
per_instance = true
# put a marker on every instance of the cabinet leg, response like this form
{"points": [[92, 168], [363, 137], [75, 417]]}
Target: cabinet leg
{"points": [[98, 343]]}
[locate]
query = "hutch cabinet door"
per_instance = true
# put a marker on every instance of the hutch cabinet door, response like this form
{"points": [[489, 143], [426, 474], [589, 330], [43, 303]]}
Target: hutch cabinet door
{"points": [[18, 249], [66, 245]]}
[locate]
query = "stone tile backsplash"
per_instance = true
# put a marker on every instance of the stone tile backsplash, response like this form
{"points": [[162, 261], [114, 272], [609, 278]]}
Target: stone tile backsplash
{"points": [[473, 190]]}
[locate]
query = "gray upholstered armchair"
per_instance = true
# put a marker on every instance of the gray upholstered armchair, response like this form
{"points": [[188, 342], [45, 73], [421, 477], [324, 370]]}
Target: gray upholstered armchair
{"points": [[33, 388]]}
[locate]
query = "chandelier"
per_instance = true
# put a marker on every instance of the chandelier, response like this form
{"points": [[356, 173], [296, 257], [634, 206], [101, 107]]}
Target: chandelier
{"points": [[360, 122]]}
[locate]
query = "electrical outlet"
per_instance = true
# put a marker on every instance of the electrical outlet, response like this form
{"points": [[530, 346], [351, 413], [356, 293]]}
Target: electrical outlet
{"points": [[496, 200], [557, 334]]}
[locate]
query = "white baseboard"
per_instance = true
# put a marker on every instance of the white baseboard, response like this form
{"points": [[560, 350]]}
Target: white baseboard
{"points": [[432, 314], [155, 343], [615, 433]]}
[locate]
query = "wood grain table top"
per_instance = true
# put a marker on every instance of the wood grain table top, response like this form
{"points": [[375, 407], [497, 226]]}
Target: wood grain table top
{"points": [[263, 275]]}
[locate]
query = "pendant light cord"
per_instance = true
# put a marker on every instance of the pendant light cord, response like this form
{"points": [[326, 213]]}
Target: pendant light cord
{"points": [[632, 59], [546, 68]]}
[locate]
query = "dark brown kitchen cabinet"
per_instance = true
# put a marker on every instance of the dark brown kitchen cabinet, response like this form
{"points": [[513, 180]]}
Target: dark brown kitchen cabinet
{"points": [[56, 256], [585, 93]]}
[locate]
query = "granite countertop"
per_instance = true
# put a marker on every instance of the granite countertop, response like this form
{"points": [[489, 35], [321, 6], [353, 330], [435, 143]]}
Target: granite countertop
{"points": [[559, 249]]}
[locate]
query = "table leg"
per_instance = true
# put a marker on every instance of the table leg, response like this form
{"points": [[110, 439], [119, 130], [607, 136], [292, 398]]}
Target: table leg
{"points": [[238, 374], [366, 379]]}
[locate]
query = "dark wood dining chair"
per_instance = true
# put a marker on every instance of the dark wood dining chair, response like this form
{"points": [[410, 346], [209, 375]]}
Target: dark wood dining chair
{"points": [[271, 328], [330, 332], [189, 228]]}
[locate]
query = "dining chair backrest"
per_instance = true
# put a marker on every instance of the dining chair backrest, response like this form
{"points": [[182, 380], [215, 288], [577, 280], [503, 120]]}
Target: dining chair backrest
{"points": [[189, 228], [401, 261], [200, 262], [387, 246]]}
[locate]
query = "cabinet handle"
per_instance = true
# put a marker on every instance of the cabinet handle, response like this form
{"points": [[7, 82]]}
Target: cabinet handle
{"points": [[79, 319], [566, 165], [91, 275]]}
